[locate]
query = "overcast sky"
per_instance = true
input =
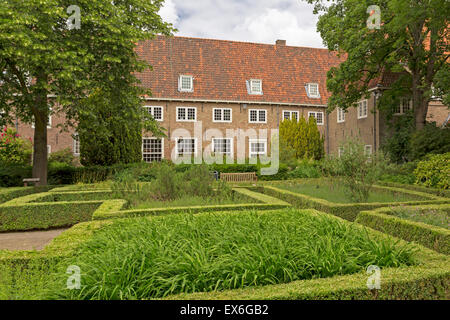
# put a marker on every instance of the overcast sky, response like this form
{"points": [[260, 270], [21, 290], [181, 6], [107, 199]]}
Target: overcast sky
{"points": [[245, 20]]}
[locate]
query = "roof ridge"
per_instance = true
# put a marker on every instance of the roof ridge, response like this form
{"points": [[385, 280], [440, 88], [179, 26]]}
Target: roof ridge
{"points": [[240, 41]]}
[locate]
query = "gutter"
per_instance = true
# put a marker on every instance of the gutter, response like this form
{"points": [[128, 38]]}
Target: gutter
{"points": [[237, 102]]}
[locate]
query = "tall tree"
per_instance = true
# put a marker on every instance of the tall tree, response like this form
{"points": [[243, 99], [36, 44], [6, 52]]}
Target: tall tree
{"points": [[412, 39], [51, 58]]}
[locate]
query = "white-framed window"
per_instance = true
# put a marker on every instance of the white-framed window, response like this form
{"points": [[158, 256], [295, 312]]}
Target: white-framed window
{"points": [[340, 115], [340, 151], [318, 116], [186, 83], [290, 115], [188, 114], [152, 149], [257, 147], [362, 109], [157, 112], [222, 146], [254, 86], [76, 145], [368, 150], [186, 147], [312, 90], [49, 150], [257, 116], [222, 115], [404, 106]]}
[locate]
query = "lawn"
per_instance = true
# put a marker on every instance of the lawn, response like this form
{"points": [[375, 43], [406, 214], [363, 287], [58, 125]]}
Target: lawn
{"points": [[333, 192], [142, 258], [186, 200], [435, 217]]}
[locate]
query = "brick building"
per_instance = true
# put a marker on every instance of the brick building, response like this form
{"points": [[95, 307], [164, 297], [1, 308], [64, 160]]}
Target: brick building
{"points": [[226, 97]]}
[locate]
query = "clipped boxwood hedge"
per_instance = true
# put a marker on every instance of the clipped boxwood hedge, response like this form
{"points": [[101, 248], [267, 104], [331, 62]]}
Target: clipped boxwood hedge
{"points": [[432, 237], [348, 211], [415, 187], [41, 216], [12, 193]]}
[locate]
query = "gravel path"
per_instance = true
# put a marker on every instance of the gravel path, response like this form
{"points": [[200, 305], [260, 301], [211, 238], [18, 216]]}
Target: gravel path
{"points": [[33, 240]]}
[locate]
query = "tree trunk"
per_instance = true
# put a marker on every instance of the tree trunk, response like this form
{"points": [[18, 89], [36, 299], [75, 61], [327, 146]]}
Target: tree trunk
{"points": [[420, 103], [40, 155]]}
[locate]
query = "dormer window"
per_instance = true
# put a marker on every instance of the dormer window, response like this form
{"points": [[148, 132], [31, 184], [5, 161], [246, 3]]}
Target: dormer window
{"points": [[186, 83], [312, 90], [254, 86]]}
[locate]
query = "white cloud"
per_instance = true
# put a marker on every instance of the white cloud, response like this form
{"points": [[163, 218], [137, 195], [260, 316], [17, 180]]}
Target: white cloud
{"points": [[245, 20], [168, 12]]}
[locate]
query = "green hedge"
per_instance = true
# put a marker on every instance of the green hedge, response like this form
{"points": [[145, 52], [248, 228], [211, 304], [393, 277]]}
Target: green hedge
{"points": [[348, 211], [12, 193], [415, 187], [428, 280], [266, 203], [41, 216], [427, 235]]}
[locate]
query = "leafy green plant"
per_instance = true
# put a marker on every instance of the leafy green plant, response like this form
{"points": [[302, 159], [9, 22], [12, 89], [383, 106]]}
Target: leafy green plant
{"points": [[215, 252], [434, 171], [63, 156], [14, 150], [356, 170]]}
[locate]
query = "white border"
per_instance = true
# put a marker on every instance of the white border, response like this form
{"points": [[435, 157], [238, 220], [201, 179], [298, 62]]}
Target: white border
{"points": [[250, 141], [337, 115], [222, 121], [176, 114], [316, 112], [367, 109], [308, 85], [180, 80], [231, 146], [151, 112], [250, 89], [195, 147], [249, 110], [152, 138]]}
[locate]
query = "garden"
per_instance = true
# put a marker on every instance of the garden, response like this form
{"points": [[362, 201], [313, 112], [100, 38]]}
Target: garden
{"points": [[166, 231]]}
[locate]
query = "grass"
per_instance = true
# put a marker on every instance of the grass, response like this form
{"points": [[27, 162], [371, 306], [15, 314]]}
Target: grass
{"points": [[142, 258], [334, 193], [439, 218], [187, 200]]}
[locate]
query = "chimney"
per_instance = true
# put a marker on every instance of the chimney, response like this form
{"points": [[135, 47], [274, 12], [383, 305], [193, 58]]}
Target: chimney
{"points": [[281, 42]]}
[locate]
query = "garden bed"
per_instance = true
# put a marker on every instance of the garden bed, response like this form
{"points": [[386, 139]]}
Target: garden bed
{"points": [[282, 254], [332, 192], [416, 228], [347, 210]]}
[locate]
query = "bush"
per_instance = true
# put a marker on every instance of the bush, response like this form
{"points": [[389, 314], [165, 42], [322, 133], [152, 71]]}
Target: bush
{"points": [[302, 138], [434, 171], [306, 169], [63, 156], [14, 151], [357, 171], [12, 176], [430, 139]]}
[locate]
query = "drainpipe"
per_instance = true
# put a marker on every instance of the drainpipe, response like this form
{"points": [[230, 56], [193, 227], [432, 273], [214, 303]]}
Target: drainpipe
{"points": [[377, 94]]}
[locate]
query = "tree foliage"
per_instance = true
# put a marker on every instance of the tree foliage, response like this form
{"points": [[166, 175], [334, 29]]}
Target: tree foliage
{"points": [[41, 58], [301, 138], [14, 150], [413, 41]]}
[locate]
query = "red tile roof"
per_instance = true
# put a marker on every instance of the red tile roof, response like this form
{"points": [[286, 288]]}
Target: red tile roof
{"points": [[221, 68]]}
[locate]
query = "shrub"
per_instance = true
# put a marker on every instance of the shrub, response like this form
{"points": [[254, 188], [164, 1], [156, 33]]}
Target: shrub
{"points": [[198, 181], [13, 149], [167, 185], [63, 156], [434, 171], [302, 137], [305, 169], [431, 139], [12, 176], [357, 171]]}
